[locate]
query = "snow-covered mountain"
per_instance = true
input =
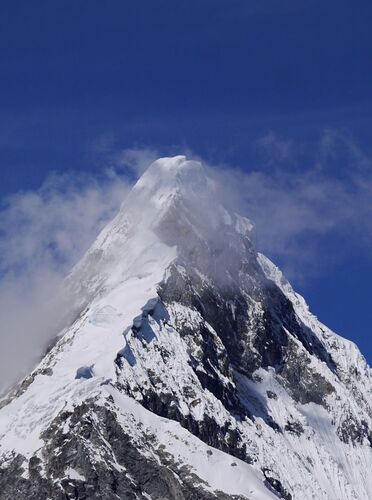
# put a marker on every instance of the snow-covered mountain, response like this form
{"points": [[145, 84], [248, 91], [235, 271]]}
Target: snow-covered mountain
{"points": [[192, 370]]}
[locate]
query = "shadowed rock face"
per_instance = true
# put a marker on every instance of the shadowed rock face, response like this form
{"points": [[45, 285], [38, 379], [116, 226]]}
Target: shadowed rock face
{"points": [[226, 286], [225, 291]]}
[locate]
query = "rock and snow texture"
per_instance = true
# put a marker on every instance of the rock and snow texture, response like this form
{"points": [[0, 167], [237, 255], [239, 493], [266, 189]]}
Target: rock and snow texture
{"points": [[192, 370]]}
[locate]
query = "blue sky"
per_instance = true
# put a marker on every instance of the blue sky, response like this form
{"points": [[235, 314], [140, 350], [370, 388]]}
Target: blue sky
{"points": [[278, 88]]}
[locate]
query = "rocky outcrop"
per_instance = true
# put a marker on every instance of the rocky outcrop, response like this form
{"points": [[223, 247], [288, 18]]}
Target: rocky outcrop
{"points": [[87, 455]]}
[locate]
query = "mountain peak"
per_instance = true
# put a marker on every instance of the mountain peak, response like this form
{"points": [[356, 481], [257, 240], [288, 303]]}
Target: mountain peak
{"points": [[169, 175], [165, 181], [172, 164], [169, 162], [189, 354]]}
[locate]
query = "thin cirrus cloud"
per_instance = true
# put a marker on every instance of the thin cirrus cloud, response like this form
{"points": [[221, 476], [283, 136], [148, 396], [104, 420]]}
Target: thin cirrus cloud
{"points": [[44, 232]]}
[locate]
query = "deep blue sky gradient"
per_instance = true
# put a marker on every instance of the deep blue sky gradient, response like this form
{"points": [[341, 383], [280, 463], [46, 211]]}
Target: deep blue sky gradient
{"points": [[212, 76]]}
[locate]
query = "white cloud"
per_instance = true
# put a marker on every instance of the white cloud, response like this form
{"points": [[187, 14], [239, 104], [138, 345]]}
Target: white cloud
{"points": [[294, 209], [42, 234], [136, 159]]}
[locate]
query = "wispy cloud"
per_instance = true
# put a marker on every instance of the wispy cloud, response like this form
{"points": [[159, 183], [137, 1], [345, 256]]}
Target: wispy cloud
{"points": [[136, 159], [296, 207], [276, 150], [42, 234]]}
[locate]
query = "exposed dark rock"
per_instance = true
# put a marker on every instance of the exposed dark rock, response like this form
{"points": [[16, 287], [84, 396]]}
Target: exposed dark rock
{"points": [[304, 384], [271, 395], [120, 472], [252, 341], [353, 431], [221, 437], [275, 485], [294, 428]]}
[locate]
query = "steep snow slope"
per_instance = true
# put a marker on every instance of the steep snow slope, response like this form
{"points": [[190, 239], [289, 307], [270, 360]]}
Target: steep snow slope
{"points": [[193, 370]]}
